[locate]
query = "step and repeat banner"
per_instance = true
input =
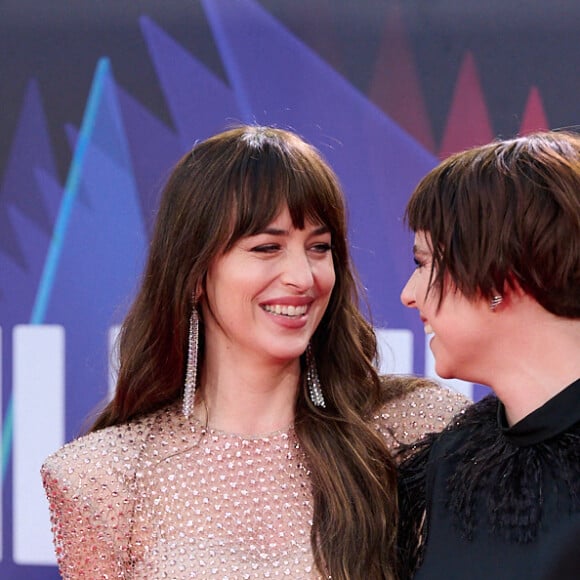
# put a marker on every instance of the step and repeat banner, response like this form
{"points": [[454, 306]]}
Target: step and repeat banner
{"points": [[99, 99]]}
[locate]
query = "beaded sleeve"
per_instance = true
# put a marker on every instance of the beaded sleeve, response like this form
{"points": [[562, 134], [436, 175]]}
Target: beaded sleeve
{"points": [[89, 485], [416, 408]]}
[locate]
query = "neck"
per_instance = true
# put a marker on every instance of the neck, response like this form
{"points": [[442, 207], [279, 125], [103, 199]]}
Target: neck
{"points": [[248, 399], [536, 365]]}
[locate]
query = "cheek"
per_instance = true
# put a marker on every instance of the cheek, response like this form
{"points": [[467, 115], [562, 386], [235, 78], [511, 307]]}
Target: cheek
{"points": [[327, 277], [425, 293]]}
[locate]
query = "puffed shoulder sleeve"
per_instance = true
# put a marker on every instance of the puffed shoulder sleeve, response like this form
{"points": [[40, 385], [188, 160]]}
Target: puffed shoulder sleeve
{"points": [[88, 484], [415, 407]]}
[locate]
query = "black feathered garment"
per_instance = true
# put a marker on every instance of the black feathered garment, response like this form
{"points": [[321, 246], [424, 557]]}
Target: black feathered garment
{"points": [[483, 500]]}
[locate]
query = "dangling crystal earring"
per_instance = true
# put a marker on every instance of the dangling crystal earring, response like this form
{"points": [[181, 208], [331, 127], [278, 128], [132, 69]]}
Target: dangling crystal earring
{"points": [[495, 301], [191, 371], [312, 380]]}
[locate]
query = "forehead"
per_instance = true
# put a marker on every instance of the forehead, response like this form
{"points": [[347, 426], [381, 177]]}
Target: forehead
{"points": [[284, 219]]}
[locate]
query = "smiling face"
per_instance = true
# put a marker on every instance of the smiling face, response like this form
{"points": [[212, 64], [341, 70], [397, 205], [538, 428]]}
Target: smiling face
{"points": [[462, 328], [265, 297]]}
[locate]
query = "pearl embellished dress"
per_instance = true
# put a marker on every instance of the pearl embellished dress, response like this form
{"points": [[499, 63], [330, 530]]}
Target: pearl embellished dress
{"points": [[166, 497]]}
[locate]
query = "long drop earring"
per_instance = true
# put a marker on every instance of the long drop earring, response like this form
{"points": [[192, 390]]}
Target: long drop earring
{"points": [[312, 380], [191, 370]]}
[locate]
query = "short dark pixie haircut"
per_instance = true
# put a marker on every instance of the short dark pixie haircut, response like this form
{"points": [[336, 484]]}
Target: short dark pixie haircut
{"points": [[506, 214]]}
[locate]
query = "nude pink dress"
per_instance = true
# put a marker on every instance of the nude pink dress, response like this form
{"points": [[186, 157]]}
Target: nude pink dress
{"points": [[164, 497]]}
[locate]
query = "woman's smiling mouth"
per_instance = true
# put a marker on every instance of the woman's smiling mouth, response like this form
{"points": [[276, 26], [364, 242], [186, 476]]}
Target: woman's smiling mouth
{"points": [[286, 309]]}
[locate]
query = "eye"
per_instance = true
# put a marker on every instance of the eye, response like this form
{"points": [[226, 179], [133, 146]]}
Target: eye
{"points": [[266, 248], [321, 247], [417, 263]]}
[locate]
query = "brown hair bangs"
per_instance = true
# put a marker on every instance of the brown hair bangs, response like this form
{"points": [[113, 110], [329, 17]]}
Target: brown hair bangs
{"points": [[272, 171]]}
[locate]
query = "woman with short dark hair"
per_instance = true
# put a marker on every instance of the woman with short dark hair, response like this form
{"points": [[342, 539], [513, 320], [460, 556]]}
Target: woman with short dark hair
{"points": [[497, 248]]}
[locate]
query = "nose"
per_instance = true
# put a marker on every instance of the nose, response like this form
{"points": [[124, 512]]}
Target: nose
{"points": [[408, 293], [297, 271]]}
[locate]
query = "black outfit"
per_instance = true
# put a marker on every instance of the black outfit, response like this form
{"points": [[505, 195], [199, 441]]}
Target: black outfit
{"points": [[501, 502]]}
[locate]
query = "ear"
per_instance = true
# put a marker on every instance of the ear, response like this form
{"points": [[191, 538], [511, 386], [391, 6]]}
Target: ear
{"points": [[512, 293], [198, 292]]}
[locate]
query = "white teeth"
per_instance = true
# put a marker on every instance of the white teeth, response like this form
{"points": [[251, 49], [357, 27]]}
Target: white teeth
{"points": [[285, 310], [428, 329]]}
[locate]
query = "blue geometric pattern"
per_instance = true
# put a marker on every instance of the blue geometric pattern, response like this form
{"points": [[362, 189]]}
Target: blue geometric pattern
{"points": [[71, 254]]}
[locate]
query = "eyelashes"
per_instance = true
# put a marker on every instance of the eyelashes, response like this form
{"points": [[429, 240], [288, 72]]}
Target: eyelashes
{"points": [[266, 248], [320, 248]]}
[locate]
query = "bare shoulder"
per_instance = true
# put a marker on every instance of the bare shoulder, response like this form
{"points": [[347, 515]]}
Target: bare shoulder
{"points": [[413, 407]]}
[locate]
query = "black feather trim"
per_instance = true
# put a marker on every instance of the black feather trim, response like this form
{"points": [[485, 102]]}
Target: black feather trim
{"points": [[412, 505], [498, 474], [509, 479]]}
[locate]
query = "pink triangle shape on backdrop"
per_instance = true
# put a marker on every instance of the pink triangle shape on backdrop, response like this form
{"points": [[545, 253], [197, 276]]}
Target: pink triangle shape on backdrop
{"points": [[468, 123], [534, 118], [395, 84]]}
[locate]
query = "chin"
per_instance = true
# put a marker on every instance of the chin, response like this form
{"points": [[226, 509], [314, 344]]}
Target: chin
{"points": [[286, 355], [444, 372]]}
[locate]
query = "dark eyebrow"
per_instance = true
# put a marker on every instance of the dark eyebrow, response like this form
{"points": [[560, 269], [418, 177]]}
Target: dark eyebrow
{"points": [[273, 232], [278, 232]]}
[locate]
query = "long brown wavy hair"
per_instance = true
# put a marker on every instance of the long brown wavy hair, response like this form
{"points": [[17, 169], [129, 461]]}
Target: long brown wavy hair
{"points": [[233, 185]]}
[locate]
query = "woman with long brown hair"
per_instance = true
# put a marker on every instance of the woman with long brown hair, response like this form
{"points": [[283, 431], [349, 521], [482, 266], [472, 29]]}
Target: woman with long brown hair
{"points": [[249, 433]]}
